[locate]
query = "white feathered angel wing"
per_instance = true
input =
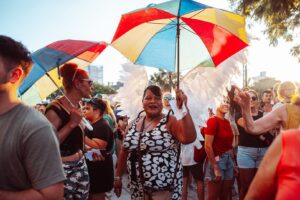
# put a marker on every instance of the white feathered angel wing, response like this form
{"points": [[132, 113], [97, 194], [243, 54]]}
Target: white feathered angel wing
{"points": [[205, 87], [135, 80]]}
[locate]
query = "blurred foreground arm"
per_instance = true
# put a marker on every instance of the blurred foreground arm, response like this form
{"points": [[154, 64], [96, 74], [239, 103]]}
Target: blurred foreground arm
{"points": [[53, 192], [264, 183]]}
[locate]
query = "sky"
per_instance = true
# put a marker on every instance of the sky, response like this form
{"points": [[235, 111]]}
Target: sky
{"points": [[37, 23]]}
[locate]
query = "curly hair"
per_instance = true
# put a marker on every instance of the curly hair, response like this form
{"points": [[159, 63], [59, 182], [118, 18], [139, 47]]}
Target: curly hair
{"points": [[14, 53]]}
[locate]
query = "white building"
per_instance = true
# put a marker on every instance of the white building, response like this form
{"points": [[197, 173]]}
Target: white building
{"points": [[262, 75], [96, 73]]}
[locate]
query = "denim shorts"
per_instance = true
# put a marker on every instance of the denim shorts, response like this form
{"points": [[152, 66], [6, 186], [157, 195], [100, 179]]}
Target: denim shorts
{"points": [[225, 164], [250, 157]]}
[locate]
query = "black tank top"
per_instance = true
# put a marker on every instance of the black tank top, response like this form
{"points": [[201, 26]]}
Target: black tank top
{"points": [[74, 140]]}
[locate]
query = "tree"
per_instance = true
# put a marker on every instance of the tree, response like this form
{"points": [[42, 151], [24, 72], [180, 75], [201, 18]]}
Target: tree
{"points": [[165, 80], [282, 18], [97, 88], [102, 89], [263, 84]]}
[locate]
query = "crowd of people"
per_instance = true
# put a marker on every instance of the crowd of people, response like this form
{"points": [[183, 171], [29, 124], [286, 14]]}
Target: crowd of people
{"points": [[79, 147]]}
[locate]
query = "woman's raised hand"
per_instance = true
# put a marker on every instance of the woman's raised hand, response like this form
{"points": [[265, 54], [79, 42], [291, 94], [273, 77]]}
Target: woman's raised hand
{"points": [[180, 98], [75, 117], [242, 98]]}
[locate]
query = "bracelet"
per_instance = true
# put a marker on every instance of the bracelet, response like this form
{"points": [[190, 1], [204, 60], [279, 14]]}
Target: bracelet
{"points": [[117, 178]]}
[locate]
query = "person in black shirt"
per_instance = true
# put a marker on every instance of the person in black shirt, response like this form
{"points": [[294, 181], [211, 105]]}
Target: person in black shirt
{"points": [[100, 167], [66, 116], [251, 148]]}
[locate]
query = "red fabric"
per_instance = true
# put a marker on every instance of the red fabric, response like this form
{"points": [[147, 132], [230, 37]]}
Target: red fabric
{"points": [[91, 54], [73, 47], [288, 169], [222, 132], [220, 43], [200, 154], [133, 19]]}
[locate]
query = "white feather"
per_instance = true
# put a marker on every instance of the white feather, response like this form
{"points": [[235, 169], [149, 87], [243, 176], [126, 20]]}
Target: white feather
{"points": [[135, 80], [205, 87]]}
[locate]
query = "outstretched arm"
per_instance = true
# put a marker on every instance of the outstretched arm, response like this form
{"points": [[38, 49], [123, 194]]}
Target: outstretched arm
{"points": [[264, 124], [52, 192]]}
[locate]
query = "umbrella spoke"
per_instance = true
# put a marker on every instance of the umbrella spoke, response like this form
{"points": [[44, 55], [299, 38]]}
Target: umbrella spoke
{"points": [[189, 30], [191, 17], [172, 26]]}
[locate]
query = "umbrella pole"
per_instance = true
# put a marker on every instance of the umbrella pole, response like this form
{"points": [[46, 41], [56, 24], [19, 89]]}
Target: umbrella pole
{"points": [[178, 43]]}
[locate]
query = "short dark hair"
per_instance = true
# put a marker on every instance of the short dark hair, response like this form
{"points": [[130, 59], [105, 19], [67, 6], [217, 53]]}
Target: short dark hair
{"points": [[14, 53], [154, 89], [98, 104]]}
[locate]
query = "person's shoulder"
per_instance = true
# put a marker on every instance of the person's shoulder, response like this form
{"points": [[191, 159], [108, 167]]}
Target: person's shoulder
{"points": [[103, 124], [212, 120], [34, 118]]}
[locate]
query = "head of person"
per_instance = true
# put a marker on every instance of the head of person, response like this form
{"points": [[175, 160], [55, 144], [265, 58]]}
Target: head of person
{"points": [[152, 101], [166, 99], [233, 105], [267, 96], [253, 98], [286, 91], [94, 109], [15, 63], [76, 80], [41, 107], [223, 108]]}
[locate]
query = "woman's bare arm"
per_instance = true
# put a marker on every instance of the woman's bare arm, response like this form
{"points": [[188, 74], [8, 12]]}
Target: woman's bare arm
{"points": [[66, 130], [95, 143], [184, 129], [264, 183], [268, 122]]}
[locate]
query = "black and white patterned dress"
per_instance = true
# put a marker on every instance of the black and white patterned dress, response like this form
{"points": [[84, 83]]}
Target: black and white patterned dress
{"points": [[159, 157]]}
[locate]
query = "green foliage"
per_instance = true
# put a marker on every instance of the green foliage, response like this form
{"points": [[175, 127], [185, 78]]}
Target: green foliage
{"points": [[102, 89], [263, 84], [97, 88], [165, 80], [282, 18]]}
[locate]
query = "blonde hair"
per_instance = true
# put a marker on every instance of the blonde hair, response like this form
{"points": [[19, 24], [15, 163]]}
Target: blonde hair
{"points": [[283, 86], [296, 100]]}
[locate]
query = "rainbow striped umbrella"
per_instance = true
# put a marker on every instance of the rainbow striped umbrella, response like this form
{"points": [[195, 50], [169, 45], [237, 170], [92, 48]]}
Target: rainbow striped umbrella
{"points": [[44, 78], [180, 33]]}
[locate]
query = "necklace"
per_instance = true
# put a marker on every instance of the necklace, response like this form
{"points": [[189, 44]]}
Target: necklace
{"points": [[150, 123]]}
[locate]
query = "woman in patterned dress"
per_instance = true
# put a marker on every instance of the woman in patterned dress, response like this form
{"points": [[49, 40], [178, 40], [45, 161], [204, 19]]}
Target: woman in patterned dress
{"points": [[152, 142]]}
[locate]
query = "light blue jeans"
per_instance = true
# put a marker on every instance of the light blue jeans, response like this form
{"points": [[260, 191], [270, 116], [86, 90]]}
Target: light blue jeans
{"points": [[250, 157], [225, 165]]}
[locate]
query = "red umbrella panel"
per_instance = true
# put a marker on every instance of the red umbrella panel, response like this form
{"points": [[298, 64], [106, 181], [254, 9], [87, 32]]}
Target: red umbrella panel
{"points": [[44, 76]]}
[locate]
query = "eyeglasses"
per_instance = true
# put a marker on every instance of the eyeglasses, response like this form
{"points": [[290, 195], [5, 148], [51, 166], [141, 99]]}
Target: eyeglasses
{"points": [[168, 98], [89, 81], [254, 98]]}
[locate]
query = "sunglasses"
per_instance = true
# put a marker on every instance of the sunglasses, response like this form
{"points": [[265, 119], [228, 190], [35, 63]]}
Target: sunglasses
{"points": [[254, 98], [89, 81], [168, 98]]}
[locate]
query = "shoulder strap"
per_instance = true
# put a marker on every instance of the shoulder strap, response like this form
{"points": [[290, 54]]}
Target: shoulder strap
{"points": [[171, 112], [139, 115], [139, 154]]}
